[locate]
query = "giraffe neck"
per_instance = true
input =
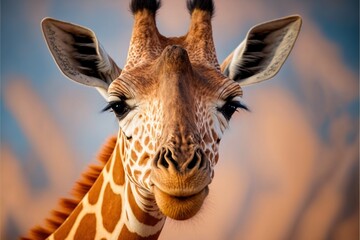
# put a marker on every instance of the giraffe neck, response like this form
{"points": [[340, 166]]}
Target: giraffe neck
{"points": [[114, 208]]}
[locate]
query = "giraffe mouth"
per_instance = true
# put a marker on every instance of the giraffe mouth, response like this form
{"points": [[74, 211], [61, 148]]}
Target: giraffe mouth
{"points": [[181, 206]]}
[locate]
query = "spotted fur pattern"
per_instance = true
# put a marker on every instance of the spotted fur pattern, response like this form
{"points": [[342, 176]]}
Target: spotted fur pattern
{"points": [[82, 187]]}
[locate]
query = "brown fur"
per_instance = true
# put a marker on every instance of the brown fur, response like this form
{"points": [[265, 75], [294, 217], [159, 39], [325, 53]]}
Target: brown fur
{"points": [[66, 206]]}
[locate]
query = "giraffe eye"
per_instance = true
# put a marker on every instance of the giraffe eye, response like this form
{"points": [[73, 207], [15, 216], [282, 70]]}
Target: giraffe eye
{"points": [[229, 108], [120, 108]]}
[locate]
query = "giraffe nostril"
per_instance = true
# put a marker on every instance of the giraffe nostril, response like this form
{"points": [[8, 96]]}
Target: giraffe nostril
{"points": [[164, 163], [194, 161], [161, 159], [197, 160], [169, 158], [165, 159]]}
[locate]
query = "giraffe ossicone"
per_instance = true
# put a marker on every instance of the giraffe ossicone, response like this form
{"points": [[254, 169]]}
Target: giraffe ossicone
{"points": [[173, 101]]}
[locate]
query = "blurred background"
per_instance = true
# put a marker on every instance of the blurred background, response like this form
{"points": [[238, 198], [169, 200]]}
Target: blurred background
{"points": [[289, 169]]}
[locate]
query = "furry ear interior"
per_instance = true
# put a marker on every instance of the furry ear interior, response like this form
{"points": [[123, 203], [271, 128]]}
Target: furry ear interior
{"points": [[260, 56], [79, 55]]}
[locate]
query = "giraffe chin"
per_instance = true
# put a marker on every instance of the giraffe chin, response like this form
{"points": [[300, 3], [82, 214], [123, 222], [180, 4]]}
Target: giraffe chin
{"points": [[180, 207]]}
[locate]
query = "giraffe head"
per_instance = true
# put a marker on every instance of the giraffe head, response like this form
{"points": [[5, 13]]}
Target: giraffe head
{"points": [[172, 99]]}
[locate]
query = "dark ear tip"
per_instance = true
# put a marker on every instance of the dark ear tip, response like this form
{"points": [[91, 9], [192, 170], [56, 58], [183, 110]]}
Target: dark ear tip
{"points": [[46, 21], [296, 17]]}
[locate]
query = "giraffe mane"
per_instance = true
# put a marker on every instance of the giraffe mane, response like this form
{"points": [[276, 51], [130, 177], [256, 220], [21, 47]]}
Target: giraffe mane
{"points": [[81, 188]]}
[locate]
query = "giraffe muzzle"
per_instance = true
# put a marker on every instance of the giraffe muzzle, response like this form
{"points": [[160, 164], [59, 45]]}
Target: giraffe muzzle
{"points": [[180, 186]]}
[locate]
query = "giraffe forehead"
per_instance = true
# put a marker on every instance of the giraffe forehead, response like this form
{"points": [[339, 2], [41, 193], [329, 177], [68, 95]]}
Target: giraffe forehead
{"points": [[171, 59], [144, 83]]}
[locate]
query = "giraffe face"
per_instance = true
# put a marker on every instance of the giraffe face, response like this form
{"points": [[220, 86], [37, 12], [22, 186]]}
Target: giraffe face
{"points": [[173, 101], [173, 114], [172, 98]]}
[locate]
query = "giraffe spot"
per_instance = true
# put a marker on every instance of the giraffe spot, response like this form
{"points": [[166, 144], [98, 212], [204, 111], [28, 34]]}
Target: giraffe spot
{"points": [[137, 174], [138, 146], [126, 234], [136, 131], [216, 158], [87, 227], [65, 228], [146, 141], [133, 155], [118, 172], [143, 159], [111, 209], [95, 190], [140, 215], [207, 138]]}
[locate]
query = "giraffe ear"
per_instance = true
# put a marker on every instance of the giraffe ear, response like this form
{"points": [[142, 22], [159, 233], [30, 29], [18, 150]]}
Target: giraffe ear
{"points": [[260, 56], [79, 55]]}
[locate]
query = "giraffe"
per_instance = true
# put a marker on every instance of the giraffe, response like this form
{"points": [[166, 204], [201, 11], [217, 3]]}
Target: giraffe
{"points": [[173, 101]]}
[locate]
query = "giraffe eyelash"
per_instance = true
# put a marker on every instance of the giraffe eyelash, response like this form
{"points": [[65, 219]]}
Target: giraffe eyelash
{"points": [[120, 108], [230, 107], [109, 106]]}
